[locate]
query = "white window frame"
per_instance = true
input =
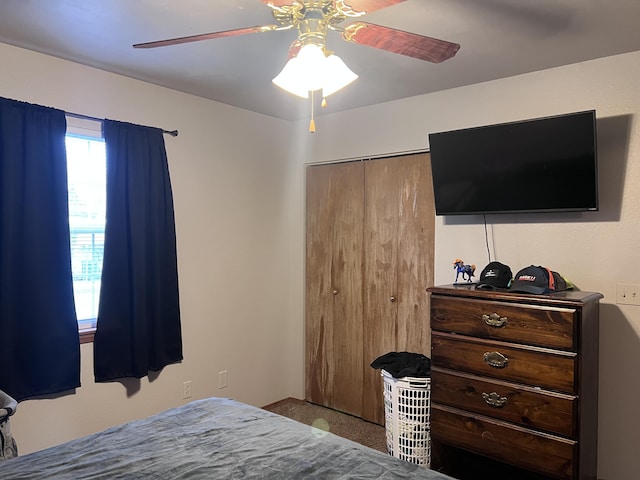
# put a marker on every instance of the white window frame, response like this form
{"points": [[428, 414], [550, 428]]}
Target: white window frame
{"points": [[89, 129]]}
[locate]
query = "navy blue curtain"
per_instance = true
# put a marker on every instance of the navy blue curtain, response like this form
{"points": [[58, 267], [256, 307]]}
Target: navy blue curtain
{"points": [[40, 347], [138, 328]]}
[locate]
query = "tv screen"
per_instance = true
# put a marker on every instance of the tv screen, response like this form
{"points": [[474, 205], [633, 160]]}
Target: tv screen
{"points": [[539, 165]]}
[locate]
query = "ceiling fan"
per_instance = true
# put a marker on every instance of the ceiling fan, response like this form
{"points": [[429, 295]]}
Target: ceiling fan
{"points": [[321, 69]]}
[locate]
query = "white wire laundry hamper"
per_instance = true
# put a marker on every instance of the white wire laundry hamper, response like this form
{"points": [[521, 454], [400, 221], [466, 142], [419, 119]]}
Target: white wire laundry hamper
{"points": [[407, 405]]}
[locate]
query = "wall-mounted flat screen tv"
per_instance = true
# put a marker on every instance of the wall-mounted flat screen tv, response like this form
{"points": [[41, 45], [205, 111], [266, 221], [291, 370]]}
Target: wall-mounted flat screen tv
{"points": [[540, 165]]}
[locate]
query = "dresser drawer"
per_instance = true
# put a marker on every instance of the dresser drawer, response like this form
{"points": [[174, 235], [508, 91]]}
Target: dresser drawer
{"points": [[545, 326], [526, 406], [539, 452], [537, 367]]}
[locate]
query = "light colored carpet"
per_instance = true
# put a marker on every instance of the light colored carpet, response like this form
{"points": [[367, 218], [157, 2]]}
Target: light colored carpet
{"points": [[341, 424]]}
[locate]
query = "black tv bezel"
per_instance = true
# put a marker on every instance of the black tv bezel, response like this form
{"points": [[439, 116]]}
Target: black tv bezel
{"points": [[595, 208]]}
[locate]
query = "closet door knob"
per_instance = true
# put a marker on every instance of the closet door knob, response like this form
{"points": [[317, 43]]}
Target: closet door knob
{"points": [[335, 292], [392, 298]]}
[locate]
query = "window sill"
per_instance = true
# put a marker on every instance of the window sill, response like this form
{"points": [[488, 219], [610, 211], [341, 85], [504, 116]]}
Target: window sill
{"points": [[87, 335]]}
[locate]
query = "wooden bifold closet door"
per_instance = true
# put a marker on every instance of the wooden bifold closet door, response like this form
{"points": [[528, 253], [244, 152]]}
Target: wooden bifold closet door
{"points": [[369, 260]]}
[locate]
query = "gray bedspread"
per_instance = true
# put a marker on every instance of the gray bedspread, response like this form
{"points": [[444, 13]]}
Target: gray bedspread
{"points": [[210, 439]]}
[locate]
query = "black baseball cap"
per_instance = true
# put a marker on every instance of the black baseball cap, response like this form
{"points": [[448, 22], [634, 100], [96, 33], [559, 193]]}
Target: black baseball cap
{"points": [[495, 275], [538, 280]]}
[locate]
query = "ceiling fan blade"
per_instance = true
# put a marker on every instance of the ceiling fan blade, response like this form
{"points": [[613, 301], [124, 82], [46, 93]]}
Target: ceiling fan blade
{"points": [[368, 6], [398, 41], [206, 36]]}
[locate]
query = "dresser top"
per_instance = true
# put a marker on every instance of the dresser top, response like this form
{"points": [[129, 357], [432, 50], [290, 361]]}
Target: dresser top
{"points": [[565, 297]]}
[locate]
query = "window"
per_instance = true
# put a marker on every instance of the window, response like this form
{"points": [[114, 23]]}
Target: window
{"points": [[86, 171]]}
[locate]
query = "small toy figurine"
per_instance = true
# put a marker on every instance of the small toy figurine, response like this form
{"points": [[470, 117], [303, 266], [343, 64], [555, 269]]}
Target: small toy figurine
{"points": [[466, 270]]}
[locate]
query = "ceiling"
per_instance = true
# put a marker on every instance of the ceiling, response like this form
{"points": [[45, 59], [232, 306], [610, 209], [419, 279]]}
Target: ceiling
{"points": [[498, 38]]}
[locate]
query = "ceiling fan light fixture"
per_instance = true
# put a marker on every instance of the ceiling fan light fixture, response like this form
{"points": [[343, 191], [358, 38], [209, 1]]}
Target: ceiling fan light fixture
{"points": [[311, 70]]}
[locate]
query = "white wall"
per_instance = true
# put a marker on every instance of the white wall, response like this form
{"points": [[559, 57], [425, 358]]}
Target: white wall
{"points": [[595, 250], [229, 176]]}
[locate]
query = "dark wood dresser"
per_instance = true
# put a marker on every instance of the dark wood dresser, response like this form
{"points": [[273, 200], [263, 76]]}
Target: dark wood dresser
{"points": [[515, 379]]}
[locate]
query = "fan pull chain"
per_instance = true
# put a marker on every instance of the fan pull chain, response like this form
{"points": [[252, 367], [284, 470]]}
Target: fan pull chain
{"points": [[312, 123]]}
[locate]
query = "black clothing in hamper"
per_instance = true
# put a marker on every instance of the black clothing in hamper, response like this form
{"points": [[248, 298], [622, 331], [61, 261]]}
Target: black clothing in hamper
{"points": [[404, 364]]}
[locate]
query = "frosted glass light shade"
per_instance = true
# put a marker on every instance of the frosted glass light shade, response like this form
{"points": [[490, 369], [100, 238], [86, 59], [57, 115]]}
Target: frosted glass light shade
{"points": [[337, 75], [312, 66], [288, 79], [310, 70]]}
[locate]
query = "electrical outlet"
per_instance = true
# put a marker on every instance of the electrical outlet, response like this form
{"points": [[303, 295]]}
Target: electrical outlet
{"points": [[627, 294], [223, 379], [186, 389]]}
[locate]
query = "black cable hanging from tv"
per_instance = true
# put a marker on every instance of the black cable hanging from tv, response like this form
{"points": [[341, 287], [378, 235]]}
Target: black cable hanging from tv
{"points": [[486, 236]]}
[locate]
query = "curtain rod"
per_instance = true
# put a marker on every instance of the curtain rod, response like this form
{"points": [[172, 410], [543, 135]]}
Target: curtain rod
{"points": [[173, 133]]}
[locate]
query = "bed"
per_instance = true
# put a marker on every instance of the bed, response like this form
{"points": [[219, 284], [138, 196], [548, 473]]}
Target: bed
{"points": [[210, 439]]}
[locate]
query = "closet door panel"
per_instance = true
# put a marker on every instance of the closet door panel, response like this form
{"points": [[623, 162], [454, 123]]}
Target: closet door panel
{"points": [[346, 269], [416, 224], [334, 286], [398, 225], [381, 276], [318, 303]]}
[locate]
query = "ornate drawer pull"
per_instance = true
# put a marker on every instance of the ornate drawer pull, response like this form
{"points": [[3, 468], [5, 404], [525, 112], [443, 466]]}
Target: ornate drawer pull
{"points": [[495, 359], [494, 400], [494, 320]]}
